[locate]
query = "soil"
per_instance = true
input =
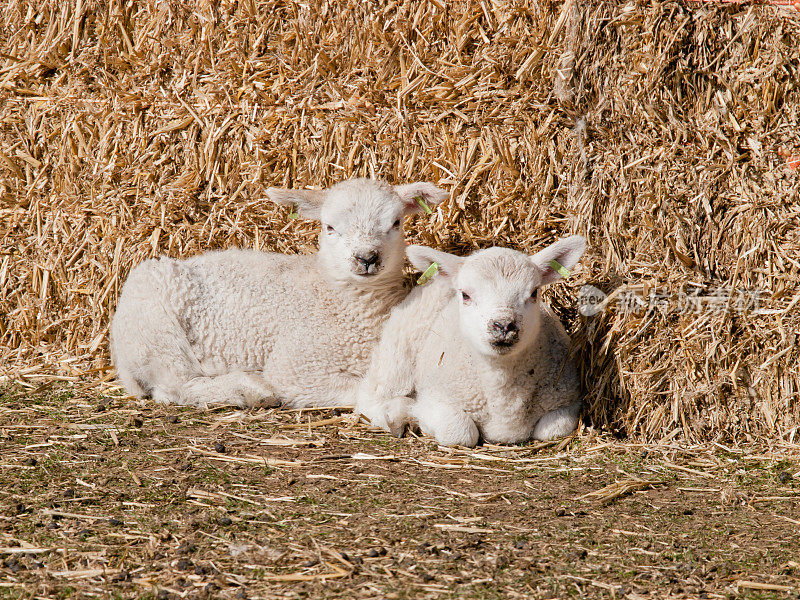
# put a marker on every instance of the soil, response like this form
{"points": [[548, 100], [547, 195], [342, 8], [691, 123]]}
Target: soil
{"points": [[115, 498]]}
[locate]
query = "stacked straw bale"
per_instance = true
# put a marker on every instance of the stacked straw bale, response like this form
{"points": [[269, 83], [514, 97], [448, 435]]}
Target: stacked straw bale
{"points": [[665, 132]]}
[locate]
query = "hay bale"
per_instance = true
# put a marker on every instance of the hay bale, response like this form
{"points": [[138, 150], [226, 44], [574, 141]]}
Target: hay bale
{"points": [[665, 133]]}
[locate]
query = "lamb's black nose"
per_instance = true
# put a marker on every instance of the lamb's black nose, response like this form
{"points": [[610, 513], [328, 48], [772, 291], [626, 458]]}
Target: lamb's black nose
{"points": [[368, 259], [505, 327]]}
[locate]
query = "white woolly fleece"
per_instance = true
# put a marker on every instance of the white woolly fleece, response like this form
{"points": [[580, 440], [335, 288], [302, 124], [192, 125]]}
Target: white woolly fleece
{"points": [[241, 326], [439, 364]]}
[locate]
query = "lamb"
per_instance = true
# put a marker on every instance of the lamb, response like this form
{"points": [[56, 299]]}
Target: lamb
{"points": [[475, 353], [244, 327]]}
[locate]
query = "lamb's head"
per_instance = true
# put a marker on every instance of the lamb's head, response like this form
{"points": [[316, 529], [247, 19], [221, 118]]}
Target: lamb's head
{"points": [[362, 238], [497, 290]]}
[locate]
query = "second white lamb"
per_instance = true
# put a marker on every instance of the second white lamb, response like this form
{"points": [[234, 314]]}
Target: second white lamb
{"points": [[475, 353]]}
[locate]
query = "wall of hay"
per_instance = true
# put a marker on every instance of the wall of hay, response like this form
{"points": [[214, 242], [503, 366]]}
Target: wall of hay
{"points": [[665, 132]]}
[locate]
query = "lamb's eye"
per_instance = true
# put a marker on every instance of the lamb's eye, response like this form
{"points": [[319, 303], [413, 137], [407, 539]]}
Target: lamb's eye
{"points": [[465, 297], [535, 294], [329, 228], [396, 224]]}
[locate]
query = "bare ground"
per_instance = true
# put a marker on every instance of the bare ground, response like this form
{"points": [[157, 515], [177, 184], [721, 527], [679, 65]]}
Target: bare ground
{"points": [[108, 497]]}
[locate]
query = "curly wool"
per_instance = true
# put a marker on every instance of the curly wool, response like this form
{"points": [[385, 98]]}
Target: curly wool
{"points": [[427, 371], [242, 327]]}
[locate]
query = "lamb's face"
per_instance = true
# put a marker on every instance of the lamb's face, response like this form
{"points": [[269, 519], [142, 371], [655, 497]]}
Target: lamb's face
{"points": [[497, 292], [362, 220], [362, 237]]}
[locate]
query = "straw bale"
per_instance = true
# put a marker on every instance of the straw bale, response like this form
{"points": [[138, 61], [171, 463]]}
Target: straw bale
{"points": [[667, 133]]}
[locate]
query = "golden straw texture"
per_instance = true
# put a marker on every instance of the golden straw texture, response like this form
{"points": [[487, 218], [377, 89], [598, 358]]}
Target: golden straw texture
{"points": [[667, 133]]}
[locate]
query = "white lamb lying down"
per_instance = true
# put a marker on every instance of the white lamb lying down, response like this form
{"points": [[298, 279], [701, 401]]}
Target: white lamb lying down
{"points": [[242, 327], [475, 353]]}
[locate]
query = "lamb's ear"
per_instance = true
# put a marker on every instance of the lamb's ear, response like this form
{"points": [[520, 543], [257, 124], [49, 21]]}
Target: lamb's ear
{"points": [[308, 202], [422, 257], [565, 253], [427, 192]]}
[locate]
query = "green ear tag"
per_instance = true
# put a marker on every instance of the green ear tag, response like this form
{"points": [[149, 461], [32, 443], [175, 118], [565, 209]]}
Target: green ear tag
{"points": [[563, 271], [429, 272], [293, 214], [424, 206]]}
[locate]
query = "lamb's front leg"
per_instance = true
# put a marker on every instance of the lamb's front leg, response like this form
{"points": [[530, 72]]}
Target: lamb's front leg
{"points": [[450, 426], [389, 414], [384, 394], [384, 399], [332, 390], [557, 423], [237, 388]]}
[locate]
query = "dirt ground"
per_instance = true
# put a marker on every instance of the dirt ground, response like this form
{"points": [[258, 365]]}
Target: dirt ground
{"points": [[113, 498]]}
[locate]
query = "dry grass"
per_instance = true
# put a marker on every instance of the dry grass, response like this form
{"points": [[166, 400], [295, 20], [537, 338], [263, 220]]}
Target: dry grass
{"points": [[112, 498], [666, 133]]}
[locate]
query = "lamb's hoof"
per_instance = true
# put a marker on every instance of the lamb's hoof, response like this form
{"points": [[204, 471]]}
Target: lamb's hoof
{"points": [[398, 430], [268, 402]]}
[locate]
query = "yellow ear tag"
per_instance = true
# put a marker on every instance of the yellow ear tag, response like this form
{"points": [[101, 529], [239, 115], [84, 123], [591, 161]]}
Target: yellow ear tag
{"points": [[424, 205], [561, 270], [293, 214], [429, 272]]}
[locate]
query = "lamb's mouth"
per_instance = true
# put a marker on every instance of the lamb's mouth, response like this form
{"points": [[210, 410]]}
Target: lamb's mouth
{"points": [[503, 346]]}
